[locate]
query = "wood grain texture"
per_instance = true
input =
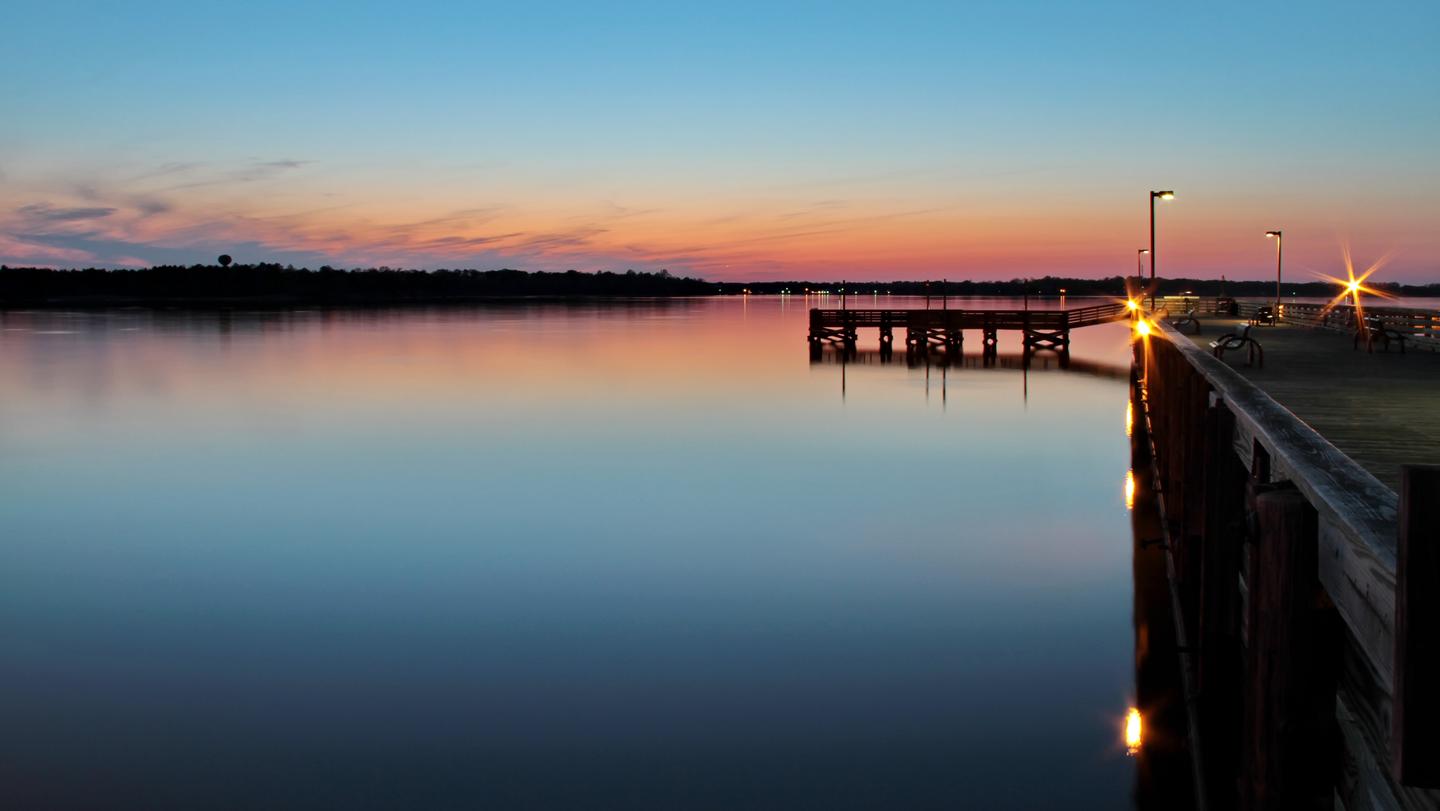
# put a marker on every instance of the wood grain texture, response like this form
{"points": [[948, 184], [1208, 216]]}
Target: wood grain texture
{"points": [[1356, 528]]}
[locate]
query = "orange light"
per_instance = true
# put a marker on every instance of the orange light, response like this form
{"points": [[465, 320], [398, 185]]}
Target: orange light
{"points": [[1352, 286], [1129, 418], [1132, 731], [1132, 305], [1129, 489], [1142, 328]]}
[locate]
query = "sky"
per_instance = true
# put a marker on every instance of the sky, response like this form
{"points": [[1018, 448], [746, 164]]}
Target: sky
{"points": [[735, 140]]}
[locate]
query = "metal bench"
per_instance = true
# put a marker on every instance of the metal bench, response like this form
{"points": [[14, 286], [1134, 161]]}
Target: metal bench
{"points": [[1237, 340], [1263, 315], [1372, 330], [1187, 320]]}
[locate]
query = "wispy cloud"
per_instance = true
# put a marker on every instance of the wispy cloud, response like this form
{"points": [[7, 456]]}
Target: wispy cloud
{"points": [[45, 212], [250, 172]]}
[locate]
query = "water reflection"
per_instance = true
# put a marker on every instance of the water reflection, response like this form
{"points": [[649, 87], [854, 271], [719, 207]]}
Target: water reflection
{"points": [[1016, 361], [549, 556], [1163, 764], [1133, 736]]}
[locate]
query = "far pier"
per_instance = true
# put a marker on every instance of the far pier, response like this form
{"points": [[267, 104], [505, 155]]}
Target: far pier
{"points": [[945, 328]]}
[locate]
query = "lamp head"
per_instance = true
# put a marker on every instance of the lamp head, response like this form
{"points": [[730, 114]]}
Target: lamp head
{"points": [[1144, 250], [1163, 195], [1272, 233]]}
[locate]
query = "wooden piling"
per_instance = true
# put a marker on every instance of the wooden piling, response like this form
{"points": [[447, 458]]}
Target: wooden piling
{"points": [[1290, 748], [1220, 670], [1309, 693], [1415, 744]]}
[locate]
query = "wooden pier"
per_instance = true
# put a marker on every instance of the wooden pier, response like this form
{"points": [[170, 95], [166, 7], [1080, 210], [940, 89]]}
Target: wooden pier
{"points": [[945, 328], [1306, 589]]}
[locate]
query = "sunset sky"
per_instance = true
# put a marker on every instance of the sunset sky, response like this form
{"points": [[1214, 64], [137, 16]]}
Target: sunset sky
{"points": [[730, 140]]}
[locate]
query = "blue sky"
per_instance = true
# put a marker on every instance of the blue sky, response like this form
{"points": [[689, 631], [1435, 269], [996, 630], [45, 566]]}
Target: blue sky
{"points": [[746, 141]]}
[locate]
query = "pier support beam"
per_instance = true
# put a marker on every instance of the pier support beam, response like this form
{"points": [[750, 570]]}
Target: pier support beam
{"points": [[1290, 740], [1415, 745], [1057, 340], [1220, 668]]}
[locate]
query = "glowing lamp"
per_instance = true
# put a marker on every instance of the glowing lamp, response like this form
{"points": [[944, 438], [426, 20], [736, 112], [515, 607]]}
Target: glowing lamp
{"points": [[1133, 732], [1142, 327]]}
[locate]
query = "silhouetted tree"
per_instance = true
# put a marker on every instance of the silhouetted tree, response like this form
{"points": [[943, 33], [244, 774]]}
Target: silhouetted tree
{"points": [[225, 260]]}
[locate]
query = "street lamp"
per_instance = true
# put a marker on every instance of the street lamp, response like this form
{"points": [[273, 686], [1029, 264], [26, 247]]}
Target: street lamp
{"points": [[1155, 195], [1278, 241], [1140, 262]]}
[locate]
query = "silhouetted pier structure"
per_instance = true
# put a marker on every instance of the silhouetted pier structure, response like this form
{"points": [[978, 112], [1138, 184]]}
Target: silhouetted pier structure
{"points": [[945, 328]]}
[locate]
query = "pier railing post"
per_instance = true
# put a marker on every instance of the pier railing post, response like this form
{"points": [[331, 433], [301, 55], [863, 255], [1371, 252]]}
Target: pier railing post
{"points": [[1415, 746], [1290, 735]]}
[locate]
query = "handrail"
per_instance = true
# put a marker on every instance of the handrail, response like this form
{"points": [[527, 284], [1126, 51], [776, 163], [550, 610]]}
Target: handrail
{"points": [[1007, 318], [1414, 323], [1358, 512]]}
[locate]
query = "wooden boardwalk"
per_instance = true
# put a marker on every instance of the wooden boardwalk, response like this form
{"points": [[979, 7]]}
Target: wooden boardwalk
{"points": [[1380, 409], [1298, 518]]}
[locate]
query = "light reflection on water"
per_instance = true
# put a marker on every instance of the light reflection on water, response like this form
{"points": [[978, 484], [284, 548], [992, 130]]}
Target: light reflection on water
{"points": [[553, 556]]}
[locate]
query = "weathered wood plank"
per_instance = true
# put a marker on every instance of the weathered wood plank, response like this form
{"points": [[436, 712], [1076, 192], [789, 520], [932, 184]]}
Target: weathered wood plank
{"points": [[1357, 514], [1356, 529]]}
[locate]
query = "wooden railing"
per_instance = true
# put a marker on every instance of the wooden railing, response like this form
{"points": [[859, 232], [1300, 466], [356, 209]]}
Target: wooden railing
{"points": [[1223, 444], [1421, 326], [1173, 306], [973, 319], [1098, 314]]}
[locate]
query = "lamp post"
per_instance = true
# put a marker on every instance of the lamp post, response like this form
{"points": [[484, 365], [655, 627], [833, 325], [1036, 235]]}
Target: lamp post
{"points": [[1155, 195], [1140, 262], [1279, 241]]}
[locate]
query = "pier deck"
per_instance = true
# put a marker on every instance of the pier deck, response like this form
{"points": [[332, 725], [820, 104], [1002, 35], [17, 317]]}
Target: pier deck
{"points": [[1380, 409], [1298, 517], [1040, 329]]}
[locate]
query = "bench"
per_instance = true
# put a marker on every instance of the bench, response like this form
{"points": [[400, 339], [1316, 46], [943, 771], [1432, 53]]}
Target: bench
{"points": [[1187, 320], [1263, 315], [1236, 340], [1372, 329]]}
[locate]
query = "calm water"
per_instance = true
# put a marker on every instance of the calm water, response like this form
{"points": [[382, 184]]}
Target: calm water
{"points": [[553, 557]]}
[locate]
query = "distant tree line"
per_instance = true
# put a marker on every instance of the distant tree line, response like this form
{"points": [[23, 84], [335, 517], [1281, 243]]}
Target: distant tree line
{"points": [[268, 283], [272, 283], [1058, 285]]}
